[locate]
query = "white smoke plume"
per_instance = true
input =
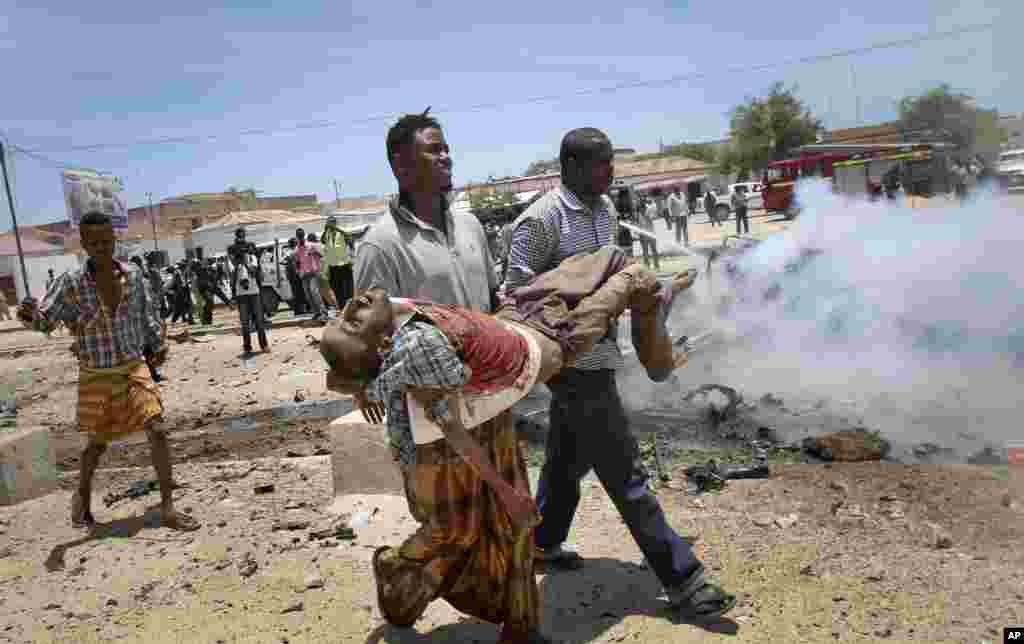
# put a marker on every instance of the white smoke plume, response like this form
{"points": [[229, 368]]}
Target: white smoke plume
{"points": [[910, 318]]}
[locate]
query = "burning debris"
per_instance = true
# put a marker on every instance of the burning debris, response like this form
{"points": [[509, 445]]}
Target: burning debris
{"points": [[848, 446], [722, 406]]}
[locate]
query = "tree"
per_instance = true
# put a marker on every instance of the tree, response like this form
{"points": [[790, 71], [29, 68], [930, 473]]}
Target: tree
{"points": [[705, 152], [482, 202], [542, 167], [768, 129], [941, 115]]}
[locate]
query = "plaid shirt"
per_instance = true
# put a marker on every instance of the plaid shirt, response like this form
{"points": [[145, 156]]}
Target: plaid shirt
{"points": [[558, 226], [105, 338], [420, 356]]}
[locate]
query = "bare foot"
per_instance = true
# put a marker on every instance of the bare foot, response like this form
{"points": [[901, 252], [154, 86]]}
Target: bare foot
{"points": [[178, 521], [80, 516]]}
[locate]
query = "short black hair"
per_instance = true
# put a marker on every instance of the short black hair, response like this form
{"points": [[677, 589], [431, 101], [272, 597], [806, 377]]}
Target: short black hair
{"points": [[582, 143], [404, 131], [95, 218]]}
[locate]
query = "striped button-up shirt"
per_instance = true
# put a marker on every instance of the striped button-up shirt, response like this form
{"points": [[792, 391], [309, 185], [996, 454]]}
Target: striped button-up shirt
{"points": [[106, 338], [558, 226]]}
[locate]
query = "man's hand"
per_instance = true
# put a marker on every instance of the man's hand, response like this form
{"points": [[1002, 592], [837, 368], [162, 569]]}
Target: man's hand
{"points": [[27, 310], [373, 412]]}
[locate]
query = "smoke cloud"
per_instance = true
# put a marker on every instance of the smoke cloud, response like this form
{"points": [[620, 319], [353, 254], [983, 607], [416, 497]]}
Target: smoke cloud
{"points": [[911, 319]]}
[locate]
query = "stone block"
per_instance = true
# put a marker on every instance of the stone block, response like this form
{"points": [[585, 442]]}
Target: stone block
{"points": [[361, 461], [28, 464]]}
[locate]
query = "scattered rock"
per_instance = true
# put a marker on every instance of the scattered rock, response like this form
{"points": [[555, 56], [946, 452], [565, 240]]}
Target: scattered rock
{"points": [[322, 451], [848, 445], [808, 570], [294, 454], [313, 581], [768, 400], [299, 396], [762, 520], [876, 574], [987, 456], [787, 521], [51, 606], [247, 565], [294, 607], [222, 523], [931, 451], [839, 486], [263, 489], [1007, 500], [939, 538], [111, 602], [294, 524]]}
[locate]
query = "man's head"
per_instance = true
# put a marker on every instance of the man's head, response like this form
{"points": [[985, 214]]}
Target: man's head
{"points": [[300, 235], [332, 222], [418, 154], [292, 243], [97, 233], [587, 160], [240, 235], [50, 271], [352, 343]]}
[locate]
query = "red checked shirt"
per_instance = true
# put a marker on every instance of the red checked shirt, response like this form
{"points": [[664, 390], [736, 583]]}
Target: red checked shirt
{"points": [[308, 256], [106, 338]]}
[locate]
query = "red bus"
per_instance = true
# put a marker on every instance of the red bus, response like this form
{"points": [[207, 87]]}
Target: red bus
{"points": [[781, 176]]}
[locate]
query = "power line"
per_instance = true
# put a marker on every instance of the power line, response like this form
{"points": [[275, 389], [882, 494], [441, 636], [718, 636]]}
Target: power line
{"points": [[482, 107]]}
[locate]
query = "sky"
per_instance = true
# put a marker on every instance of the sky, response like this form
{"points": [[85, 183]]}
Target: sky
{"points": [[78, 75]]}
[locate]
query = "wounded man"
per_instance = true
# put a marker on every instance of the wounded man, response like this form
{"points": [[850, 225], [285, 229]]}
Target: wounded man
{"points": [[440, 372]]}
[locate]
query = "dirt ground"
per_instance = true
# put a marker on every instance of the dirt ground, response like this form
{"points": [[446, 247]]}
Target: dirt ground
{"points": [[855, 553]]}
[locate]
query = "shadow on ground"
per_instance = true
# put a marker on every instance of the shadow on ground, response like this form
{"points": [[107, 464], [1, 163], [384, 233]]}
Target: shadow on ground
{"points": [[117, 529], [579, 606]]}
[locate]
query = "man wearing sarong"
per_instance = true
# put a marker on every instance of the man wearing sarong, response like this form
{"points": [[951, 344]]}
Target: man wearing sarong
{"points": [[422, 249], [111, 309], [443, 371]]}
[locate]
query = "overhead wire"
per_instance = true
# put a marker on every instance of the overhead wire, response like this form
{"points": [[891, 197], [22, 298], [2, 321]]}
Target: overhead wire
{"points": [[481, 107]]}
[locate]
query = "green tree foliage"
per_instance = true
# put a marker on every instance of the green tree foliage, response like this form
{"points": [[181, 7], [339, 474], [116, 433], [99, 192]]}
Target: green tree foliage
{"points": [[482, 202], [767, 129], [542, 167], [942, 115]]}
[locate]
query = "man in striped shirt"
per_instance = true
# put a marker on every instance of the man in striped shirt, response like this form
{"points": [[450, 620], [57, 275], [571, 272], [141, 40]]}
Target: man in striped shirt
{"points": [[588, 425]]}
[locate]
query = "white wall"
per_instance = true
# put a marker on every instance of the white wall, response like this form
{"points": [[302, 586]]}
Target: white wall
{"points": [[37, 267]]}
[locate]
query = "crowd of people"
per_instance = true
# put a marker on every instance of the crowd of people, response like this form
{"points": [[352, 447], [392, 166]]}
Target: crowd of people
{"points": [[417, 330]]}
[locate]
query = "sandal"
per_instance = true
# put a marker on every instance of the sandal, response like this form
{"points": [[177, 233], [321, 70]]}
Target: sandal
{"points": [[80, 517], [178, 521], [709, 601]]}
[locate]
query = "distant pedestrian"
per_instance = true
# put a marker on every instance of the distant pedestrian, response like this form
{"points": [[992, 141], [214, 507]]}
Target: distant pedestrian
{"points": [[337, 261], [291, 270], [307, 256], [247, 297], [677, 213], [739, 204], [649, 246], [49, 278], [709, 208]]}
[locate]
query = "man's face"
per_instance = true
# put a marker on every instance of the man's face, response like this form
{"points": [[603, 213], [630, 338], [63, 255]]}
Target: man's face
{"points": [[426, 164], [98, 242], [596, 173], [350, 344], [300, 235]]}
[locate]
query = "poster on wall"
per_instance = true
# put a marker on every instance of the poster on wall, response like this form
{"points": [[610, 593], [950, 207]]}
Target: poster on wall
{"points": [[85, 191]]}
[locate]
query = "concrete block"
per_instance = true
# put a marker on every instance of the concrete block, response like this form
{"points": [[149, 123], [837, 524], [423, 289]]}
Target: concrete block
{"points": [[28, 464], [361, 461]]}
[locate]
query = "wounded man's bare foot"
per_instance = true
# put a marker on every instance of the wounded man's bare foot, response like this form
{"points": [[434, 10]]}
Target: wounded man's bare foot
{"points": [[178, 521]]}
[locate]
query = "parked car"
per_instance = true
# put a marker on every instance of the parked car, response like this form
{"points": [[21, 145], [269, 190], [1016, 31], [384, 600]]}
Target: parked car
{"points": [[1011, 168]]}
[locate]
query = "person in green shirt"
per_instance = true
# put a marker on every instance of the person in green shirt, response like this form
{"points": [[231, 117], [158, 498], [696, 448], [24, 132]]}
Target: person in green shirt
{"points": [[336, 247]]}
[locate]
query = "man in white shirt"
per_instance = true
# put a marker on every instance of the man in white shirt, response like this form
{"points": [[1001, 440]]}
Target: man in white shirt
{"points": [[247, 296], [677, 211], [649, 246]]}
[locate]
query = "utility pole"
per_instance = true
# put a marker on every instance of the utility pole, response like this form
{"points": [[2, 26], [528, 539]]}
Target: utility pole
{"points": [[337, 194], [14, 219], [853, 80], [152, 220]]}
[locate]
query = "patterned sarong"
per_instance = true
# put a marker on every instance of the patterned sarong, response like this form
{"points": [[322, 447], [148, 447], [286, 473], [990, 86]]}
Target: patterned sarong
{"points": [[118, 401], [466, 550]]}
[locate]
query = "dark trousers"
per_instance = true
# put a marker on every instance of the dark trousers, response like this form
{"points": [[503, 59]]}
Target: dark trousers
{"points": [[182, 306], [589, 430], [742, 217], [250, 315], [682, 232], [299, 304], [341, 283]]}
